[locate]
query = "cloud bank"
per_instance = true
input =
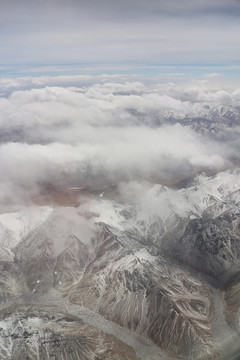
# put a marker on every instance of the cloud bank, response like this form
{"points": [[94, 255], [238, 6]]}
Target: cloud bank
{"points": [[106, 133]]}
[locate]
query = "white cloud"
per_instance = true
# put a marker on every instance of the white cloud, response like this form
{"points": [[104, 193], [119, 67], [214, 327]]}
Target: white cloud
{"points": [[66, 114], [29, 82], [213, 75], [110, 132]]}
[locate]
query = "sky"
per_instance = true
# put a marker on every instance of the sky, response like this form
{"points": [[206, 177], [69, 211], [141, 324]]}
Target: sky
{"points": [[78, 36]]}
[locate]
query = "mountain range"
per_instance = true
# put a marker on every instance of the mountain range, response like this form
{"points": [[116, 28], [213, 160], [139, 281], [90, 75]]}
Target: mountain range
{"points": [[153, 278]]}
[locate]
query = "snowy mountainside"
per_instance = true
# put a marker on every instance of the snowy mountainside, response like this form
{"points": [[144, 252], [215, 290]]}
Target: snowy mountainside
{"points": [[156, 266], [46, 332], [15, 226]]}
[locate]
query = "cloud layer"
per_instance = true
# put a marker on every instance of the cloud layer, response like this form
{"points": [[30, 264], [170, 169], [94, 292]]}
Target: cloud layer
{"points": [[66, 32], [104, 133]]}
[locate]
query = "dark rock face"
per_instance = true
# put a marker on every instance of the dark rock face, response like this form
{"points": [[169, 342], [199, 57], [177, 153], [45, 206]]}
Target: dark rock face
{"points": [[70, 264], [209, 245], [231, 296]]}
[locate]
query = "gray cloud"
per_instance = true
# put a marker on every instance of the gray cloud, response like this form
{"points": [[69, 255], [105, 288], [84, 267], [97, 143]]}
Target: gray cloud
{"points": [[157, 31]]}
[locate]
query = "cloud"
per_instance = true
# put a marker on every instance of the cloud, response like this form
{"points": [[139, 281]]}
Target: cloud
{"points": [[8, 85], [110, 132], [70, 114], [113, 151], [213, 75], [124, 32]]}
